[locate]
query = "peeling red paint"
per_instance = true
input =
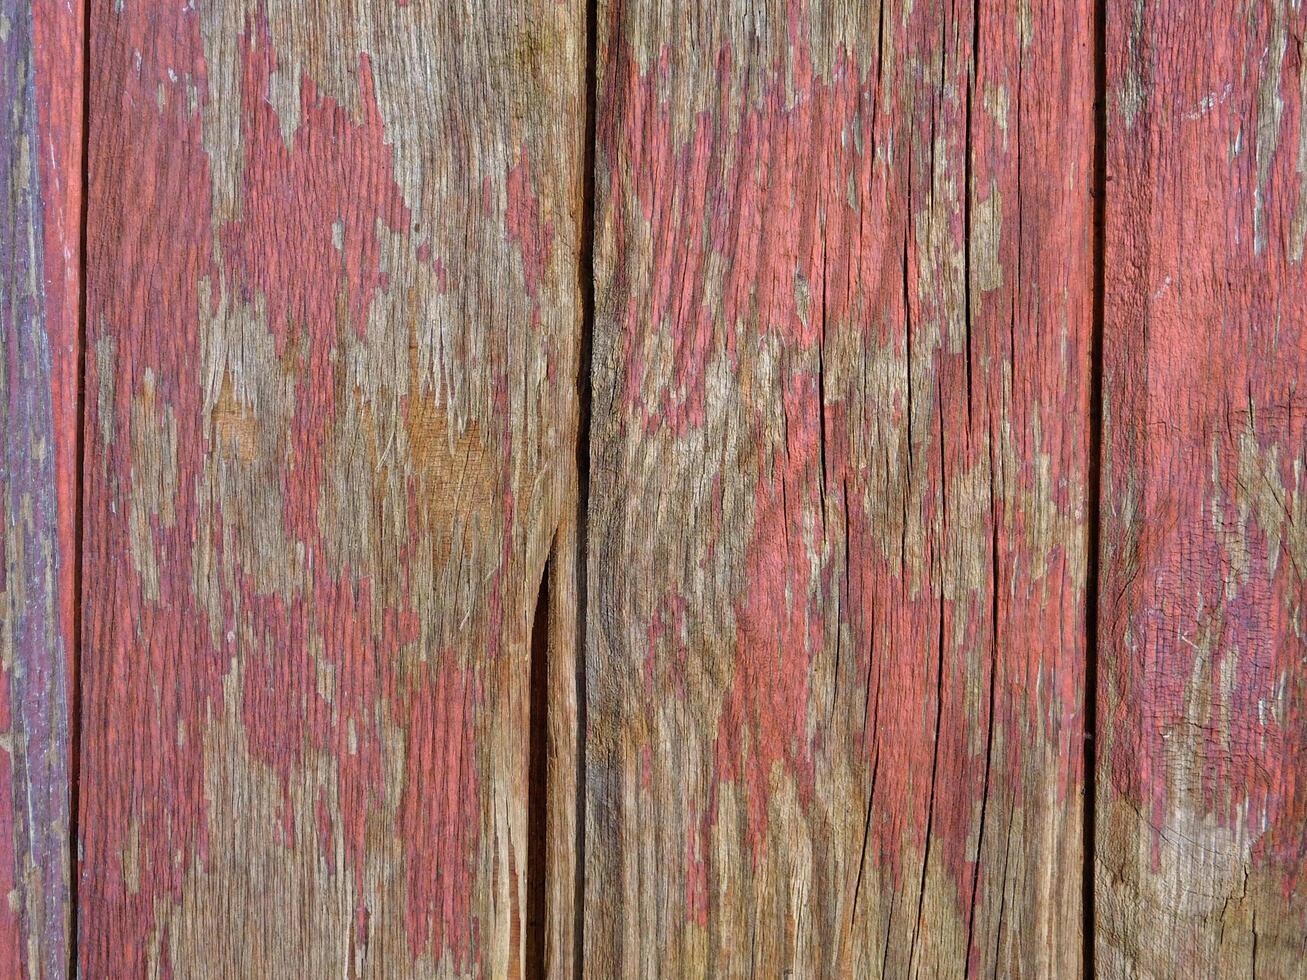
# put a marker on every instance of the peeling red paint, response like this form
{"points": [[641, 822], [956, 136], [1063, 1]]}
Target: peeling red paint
{"points": [[296, 266], [779, 631], [442, 851], [533, 236], [162, 791]]}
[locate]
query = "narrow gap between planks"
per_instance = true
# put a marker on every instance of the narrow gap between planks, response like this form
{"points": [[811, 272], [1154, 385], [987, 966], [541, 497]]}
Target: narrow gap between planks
{"points": [[1094, 483], [538, 777], [537, 849], [585, 275], [74, 666]]}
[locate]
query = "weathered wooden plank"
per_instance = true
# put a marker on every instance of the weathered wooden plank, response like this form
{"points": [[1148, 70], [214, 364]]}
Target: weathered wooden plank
{"points": [[40, 172], [1202, 813], [332, 340], [560, 899], [837, 541]]}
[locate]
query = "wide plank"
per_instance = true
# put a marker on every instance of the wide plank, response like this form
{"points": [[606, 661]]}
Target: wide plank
{"points": [[1202, 788], [333, 322], [838, 521], [40, 211]]}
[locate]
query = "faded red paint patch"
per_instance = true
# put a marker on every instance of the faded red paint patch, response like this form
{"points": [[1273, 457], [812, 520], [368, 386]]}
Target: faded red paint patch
{"points": [[131, 644], [441, 811], [744, 181], [306, 242], [779, 627], [533, 236], [667, 632]]}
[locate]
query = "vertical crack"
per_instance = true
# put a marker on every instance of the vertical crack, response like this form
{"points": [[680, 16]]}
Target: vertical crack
{"points": [[930, 806], [79, 530], [584, 390], [537, 813], [1094, 481], [995, 591], [821, 384]]}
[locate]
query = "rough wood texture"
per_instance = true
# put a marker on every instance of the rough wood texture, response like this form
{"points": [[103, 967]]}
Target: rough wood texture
{"points": [[332, 337], [40, 206], [1202, 814], [837, 550]]}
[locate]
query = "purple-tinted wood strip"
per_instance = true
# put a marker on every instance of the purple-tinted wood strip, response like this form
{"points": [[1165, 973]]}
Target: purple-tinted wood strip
{"points": [[36, 422]]}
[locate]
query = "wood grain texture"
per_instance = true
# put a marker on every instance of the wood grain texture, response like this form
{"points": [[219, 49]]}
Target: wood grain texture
{"points": [[838, 538], [332, 336], [40, 187], [1202, 810]]}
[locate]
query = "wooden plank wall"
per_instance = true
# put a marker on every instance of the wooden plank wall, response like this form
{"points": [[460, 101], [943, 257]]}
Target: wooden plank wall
{"points": [[837, 552], [40, 210], [1202, 794], [630, 488]]}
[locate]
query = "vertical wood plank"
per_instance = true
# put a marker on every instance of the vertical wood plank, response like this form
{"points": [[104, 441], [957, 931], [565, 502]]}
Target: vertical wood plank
{"points": [[837, 542], [332, 335], [562, 759], [40, 173], [1202, 814]]}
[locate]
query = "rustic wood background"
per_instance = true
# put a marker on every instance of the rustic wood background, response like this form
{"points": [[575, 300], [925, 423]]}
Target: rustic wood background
{"points": [[630, 488]]}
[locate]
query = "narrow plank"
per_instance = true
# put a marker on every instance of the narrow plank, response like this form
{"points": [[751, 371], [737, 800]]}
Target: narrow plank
{"points": [[331, 365], [1202, 812], [837, 539], [40, 172]]}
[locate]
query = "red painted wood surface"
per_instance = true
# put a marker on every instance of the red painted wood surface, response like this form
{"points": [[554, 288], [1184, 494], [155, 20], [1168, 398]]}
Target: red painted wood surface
{"points": [[40, 205], [837, 552], [1202, 812], [332, 327]]}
